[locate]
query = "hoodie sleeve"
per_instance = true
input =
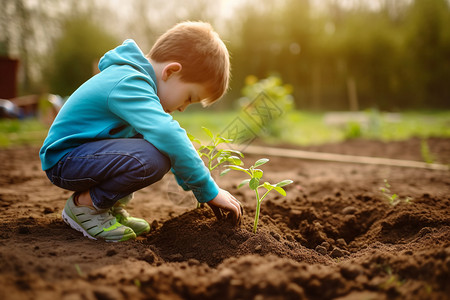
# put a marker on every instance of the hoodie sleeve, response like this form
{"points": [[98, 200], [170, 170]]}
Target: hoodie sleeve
{"points": [[134, 100]]}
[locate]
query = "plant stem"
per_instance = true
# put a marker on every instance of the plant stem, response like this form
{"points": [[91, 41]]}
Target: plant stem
{"points": [[258, 207], [209, 161], [209, 168]]}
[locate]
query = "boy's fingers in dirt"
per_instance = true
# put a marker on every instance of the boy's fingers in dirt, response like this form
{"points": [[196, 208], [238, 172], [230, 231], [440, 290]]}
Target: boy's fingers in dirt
{"points": [[236, 203], [238, 212], [240, 206], [217, 212], [227, 204]]}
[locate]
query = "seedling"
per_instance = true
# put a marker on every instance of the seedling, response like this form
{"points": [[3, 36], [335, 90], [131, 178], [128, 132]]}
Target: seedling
{"points": [[254, 184], [137, 283], [215, 156], [425, 152], [80, 273], [392, 281], [393, 199]]}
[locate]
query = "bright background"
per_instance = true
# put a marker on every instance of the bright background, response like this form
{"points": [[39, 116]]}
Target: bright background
{"points": [[387, 61]]}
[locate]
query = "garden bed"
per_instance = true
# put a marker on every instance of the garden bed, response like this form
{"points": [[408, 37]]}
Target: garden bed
{"points": [[334, 236]]}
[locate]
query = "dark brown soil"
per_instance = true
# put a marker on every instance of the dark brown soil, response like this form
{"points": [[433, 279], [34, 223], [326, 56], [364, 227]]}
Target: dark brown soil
{"points": [[335, 235]]}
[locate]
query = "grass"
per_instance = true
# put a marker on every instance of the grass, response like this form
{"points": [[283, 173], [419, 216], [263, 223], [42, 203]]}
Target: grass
{"points": [[307, 128], [21, 132], [417, 124], [213, 120], [297, 127]]}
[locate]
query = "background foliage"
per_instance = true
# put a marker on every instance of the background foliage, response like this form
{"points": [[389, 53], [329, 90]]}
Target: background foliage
{"points": [[383, 54], [75, 55]]}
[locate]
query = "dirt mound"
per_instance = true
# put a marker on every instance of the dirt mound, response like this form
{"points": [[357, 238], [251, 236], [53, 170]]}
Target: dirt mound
{"points": [[198, 235], [335, 235]]}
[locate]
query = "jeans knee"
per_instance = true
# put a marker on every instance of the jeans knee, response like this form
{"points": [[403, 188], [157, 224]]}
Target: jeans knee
{"points": [[157, 164], [164, 166]]}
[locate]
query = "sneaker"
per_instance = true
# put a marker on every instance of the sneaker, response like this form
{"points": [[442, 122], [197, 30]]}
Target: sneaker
{"points": [[139, 226], [95, 223]]}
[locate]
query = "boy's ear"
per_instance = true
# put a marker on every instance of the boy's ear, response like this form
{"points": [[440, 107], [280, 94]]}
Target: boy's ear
{"points": [[170, 69]]}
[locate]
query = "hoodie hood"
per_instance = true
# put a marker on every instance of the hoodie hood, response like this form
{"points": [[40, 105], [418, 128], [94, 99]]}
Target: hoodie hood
{"points": [[130, 54]]}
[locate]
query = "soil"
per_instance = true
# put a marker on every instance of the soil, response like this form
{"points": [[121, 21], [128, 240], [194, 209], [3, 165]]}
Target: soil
{"points": [[334, 236]]}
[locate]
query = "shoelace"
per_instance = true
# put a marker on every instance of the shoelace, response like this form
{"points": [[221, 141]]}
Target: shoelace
{"points": [[105, 216], [120, 211]]}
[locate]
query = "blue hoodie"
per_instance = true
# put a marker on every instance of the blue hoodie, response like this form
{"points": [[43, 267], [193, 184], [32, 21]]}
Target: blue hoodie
{"points": [[123, 95]]}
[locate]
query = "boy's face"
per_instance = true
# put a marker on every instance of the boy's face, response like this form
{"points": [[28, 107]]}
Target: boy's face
{"points": [[175, 94]]}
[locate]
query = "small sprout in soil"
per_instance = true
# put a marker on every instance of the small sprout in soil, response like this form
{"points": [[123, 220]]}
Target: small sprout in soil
{"points": [[393, 280], [425, 152], [137, 283], [338, 259], [254, 184], [79, 272], [393, 199], [216, 156]]}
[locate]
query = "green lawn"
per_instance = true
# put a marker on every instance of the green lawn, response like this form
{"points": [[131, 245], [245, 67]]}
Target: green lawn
{"points": [[306, 128], [21, 132], [302, 128]]}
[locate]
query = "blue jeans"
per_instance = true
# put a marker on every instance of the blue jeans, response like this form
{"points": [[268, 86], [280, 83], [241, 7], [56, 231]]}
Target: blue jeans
{"points": [[110, 169]]}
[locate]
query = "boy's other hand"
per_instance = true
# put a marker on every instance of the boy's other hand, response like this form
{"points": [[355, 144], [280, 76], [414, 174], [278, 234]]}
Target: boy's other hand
{"points": [[226, 202]]}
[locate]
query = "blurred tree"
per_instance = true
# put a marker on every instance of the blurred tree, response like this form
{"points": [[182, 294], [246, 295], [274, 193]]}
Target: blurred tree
{"points": [[17, 35], [300, 60], [81, 45], [427, 47], [370, 54], [272, 41], [389, 54], [250, 46], [27, 31]]}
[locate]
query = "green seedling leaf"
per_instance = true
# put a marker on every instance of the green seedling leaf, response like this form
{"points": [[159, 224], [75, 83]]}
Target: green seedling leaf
{"points": [[225, 172], [258, 173], [213, 156], [260, 162], [236, 152], [283, 183], [208, 132], [237, 168], [221, 140], [230, 152], [222, 156], [221, 159], [244, 182], [280, 190], [193, 139], [268, 186], [234, 160], [254, 183]]}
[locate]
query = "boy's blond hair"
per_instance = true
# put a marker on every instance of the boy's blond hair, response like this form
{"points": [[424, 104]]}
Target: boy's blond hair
{"points": [[202, 54]]}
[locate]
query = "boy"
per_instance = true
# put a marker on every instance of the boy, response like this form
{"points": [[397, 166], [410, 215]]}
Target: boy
{"points": [[115, 134]]}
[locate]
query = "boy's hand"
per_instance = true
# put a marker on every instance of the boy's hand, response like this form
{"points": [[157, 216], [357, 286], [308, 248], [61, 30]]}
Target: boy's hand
{"points": [[226, 202]]}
